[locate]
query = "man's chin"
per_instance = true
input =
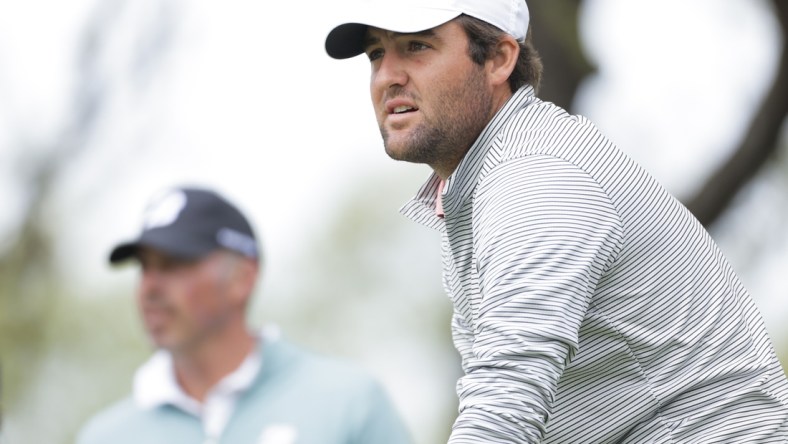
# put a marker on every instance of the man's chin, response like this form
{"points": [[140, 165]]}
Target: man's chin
{"points": [[160, 339], [393, 153], [398, 150]]}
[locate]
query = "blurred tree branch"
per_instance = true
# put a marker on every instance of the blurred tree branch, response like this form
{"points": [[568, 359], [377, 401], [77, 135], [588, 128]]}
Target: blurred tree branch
{"points": [[559, 44], [758, 145], [28, 284]]}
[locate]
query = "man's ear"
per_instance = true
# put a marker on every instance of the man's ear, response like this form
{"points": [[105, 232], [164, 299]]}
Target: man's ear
{"points": [[502, 64], [245, 278]]}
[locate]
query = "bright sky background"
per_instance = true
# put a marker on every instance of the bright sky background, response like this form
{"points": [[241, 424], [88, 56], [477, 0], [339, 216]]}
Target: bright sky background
{"points": [[245, 100]]}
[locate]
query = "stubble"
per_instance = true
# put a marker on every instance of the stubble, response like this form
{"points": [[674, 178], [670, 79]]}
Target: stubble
{"points": [[457, 118]]}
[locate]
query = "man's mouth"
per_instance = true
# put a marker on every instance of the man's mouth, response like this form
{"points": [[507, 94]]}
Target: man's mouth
{"points": [[404, 109]]}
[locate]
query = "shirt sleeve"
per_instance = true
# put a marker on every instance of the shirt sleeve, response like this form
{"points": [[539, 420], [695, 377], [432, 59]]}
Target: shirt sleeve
{"points": [[544, 232]]}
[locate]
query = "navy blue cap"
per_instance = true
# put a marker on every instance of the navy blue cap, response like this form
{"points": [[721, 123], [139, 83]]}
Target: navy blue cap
{"points": [[189, 223]]}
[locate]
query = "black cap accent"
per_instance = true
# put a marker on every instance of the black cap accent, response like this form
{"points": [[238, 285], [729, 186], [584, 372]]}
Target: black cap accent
{"points": [[346, 41]]}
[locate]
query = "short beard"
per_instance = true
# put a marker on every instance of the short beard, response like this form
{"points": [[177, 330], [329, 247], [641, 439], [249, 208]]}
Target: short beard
{"points": [[447, 137]]}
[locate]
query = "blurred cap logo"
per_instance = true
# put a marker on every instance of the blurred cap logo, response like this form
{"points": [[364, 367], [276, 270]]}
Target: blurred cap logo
{"points": [[165, 209]]}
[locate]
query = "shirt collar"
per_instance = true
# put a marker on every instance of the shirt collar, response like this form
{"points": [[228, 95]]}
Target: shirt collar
{"points": [[155, 384], [460, 185]]}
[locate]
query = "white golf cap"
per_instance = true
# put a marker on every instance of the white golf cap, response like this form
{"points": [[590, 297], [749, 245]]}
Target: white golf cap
{"points": [[346, 39]]}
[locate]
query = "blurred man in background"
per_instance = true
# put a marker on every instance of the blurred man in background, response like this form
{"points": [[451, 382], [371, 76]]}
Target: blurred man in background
{"points": [[589, 305], [213, 380]]}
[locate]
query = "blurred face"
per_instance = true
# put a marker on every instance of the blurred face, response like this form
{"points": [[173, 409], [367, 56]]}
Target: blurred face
{"points": [[431, 101], [182, 302]]}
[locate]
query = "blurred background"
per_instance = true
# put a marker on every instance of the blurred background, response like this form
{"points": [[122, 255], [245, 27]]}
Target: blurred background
{"points": [[105, 102]]}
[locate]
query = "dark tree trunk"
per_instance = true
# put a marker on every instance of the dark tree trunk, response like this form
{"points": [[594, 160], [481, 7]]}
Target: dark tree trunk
{"points": [[556, 37]]}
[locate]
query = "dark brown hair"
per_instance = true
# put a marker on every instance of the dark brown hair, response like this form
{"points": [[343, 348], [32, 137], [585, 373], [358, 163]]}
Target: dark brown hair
{"points": [[482, 40]]}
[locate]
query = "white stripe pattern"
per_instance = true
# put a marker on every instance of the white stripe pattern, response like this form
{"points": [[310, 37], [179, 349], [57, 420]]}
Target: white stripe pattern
{"points": [[589, 305]]}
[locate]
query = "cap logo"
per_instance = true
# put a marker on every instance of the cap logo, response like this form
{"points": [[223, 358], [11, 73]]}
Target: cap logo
{"points": [[279, 434], [164, 210]]}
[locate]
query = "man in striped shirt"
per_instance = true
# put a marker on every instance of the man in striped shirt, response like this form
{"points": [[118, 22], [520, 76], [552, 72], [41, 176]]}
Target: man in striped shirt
{"points": [[589, 305]]}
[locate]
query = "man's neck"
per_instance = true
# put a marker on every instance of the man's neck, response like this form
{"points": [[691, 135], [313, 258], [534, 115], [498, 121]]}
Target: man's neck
{"points": [[446, 168], [199, 369]]}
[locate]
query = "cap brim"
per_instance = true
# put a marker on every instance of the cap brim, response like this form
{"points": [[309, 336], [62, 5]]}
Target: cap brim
{"points": [[123, 252], [346, 40], [166, 243]]}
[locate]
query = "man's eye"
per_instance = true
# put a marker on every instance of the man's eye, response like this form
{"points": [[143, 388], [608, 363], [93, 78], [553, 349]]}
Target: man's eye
{"points": [[417, 46], [375, 54]]}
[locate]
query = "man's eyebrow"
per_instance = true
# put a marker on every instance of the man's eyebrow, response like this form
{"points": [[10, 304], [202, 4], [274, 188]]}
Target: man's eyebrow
{"points": [[370, 40]]}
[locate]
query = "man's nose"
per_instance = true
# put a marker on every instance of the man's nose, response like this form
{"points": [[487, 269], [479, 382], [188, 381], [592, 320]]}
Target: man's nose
{"points": [[150, 281], [391, 72]]}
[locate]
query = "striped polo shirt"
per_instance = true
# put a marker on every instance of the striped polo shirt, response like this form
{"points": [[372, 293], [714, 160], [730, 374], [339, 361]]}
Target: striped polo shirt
{"points": [[590, 306]]}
